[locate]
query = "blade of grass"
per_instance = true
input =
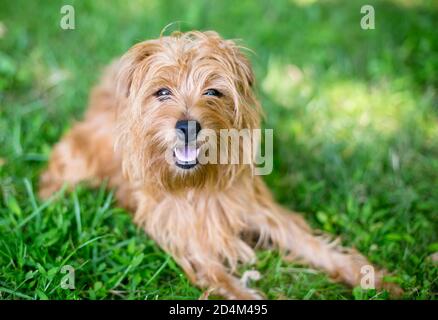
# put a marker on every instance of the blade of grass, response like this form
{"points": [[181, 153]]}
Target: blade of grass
{"points": [[16, 293], [158, 271], [77, 214]]}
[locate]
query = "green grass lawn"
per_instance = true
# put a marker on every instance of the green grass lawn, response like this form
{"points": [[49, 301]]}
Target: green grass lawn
{"points": [[355, 119]]}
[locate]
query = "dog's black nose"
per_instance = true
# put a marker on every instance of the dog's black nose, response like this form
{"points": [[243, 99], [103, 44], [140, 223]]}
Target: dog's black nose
{"points": [[187, 130]]}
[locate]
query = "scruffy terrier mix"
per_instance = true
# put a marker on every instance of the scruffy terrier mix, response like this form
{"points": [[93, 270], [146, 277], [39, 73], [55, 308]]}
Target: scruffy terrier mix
{"points": [[209, 217]]}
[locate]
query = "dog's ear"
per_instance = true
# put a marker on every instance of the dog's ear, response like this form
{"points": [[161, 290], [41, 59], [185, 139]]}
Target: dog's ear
{"points": [[244, 72], [235, 56], [243, 65], [247, 102], [132, 64]]}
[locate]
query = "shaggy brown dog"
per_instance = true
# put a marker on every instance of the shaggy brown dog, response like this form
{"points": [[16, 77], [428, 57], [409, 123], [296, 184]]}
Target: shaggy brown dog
{"points": [[205, 216]]}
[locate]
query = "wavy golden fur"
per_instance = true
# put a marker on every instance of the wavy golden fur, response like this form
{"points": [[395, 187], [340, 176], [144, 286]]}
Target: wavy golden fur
{"points": [[206, 217]]}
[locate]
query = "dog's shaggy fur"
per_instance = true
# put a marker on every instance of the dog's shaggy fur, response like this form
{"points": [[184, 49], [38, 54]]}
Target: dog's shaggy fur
{"points": [[206, 217]]}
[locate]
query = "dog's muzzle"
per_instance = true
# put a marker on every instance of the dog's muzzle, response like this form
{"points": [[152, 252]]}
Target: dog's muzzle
{"points": [[186, 152]]}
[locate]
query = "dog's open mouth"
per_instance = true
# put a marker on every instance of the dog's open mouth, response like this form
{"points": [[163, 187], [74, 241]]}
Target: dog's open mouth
{"points": [[186, 156]]}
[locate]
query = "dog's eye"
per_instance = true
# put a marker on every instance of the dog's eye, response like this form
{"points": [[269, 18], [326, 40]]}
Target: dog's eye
{"points": [[163, 93], [212, 92]]}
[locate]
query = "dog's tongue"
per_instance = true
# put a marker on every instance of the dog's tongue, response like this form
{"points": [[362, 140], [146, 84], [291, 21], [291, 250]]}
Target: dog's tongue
{"points": [[186, 153]]}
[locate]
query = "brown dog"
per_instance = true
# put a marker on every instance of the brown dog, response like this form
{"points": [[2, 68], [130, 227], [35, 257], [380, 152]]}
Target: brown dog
{"points": [[205, 215]]}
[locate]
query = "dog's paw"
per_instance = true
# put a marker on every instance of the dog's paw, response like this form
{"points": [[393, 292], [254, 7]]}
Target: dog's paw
{"points": [[48, 186], [394, 289]]}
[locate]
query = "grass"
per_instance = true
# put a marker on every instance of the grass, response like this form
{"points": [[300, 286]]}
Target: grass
{"points": [[355, 122]]}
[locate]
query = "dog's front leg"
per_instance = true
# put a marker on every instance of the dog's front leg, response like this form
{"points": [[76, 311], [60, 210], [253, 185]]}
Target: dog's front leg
{"points": [[205, 269], [218, 280], [209, 272], [288, 232]]}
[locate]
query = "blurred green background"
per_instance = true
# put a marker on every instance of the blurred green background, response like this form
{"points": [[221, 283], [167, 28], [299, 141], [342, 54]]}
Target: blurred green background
{"points": [[355, 119]]}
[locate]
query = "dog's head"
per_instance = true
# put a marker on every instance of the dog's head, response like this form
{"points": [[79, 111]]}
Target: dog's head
{"points": [[175, 92]]}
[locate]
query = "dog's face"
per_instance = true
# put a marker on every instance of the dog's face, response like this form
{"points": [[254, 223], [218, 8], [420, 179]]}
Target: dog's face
{"points": [[171, 90]]}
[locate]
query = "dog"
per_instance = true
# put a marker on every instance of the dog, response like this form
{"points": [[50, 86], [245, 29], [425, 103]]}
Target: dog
{"points": [[209, 217]]}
